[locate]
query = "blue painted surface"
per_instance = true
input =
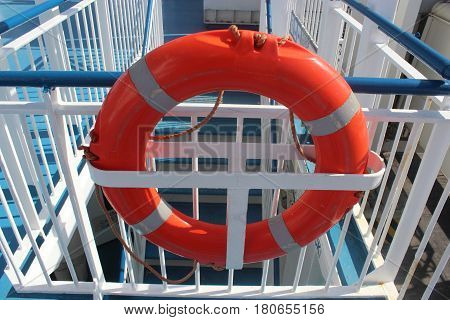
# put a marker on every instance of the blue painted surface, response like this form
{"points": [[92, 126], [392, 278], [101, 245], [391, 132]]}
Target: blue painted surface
{"points": [[353, 254], [418, 48], [27, 14], [41, 79]]}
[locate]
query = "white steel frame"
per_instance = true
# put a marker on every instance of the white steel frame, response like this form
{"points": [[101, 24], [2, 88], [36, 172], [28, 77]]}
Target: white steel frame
{"points": [[58, 110], [64, 110]]}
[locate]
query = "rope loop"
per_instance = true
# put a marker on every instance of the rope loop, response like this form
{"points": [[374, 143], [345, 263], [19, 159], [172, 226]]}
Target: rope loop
{"points": [[130, 251], [194, 128], [259, 40], [235, 31]]}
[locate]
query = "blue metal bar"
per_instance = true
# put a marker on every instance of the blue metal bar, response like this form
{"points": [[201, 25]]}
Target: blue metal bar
{"points": [[269, 28], [107, 79], [399, 86], [269, 16], [52, 79], [148, 19], [28, 14], [418, 48]]}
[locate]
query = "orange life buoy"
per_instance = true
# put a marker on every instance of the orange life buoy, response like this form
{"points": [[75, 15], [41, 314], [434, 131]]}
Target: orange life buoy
{"points": [[214, 61]]}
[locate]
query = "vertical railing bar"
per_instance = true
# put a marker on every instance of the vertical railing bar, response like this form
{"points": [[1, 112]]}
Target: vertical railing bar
{"points": [[100, 40], [74, 51], [345, 26], [83, 55], [70, 93], [298, 270], [9, 257], [195, 198], [341, 31], [25, 128], [89, 47], [72, 135], [162, 262], [63, 242], [102, 49], [391, 205], [123, 33], [33, 169], [310, 15], [36, 131], [129, 265], [126, 27], [235, 164], [339, 247], [382, 134], [230, 279], [138, 13], [78, 205], [415, 133], [63, 57], [437, 273], [385, 178], [275, 199], [117, 37], [25, 222], [94, 41], [41, 151], [94, 37], [138, 26], [162, 256], [10, 218], [17, 63], [351, 52], [47, 123], [426, 237], [160, 24], [131, 29], [65, 60], [316, 20]]}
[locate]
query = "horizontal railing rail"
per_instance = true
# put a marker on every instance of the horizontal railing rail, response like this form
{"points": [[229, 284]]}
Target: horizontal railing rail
{"points": [[50, 79], [28, 14], [59, 109], [418, 48]]}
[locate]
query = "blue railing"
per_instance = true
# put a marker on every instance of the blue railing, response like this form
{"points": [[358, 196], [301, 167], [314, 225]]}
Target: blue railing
{"points": [[269, 16], [51, 79], [28, 14], [418, 48], [148, 20]]}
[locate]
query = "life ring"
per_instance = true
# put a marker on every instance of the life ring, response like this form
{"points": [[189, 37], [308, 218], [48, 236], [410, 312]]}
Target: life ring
{"points": [[214, 61]]}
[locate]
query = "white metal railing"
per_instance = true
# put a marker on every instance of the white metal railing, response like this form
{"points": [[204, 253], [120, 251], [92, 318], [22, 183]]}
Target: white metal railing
{"points": [[355, 47], [309, 15], [78, 183], [103, 35], [67, 112]]}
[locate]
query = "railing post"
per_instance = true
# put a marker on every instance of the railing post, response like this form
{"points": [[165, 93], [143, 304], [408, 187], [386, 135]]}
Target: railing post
{"points": [[237, 205], [369, 59], [433, 157], [68, 166], [300, 10], [104, 34], [330, 31]]}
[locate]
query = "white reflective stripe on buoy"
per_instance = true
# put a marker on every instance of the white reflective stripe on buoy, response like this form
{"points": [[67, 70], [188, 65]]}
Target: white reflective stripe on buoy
{"points": [[336, 120], [281, 234], [154, 220], [149, 89]]}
